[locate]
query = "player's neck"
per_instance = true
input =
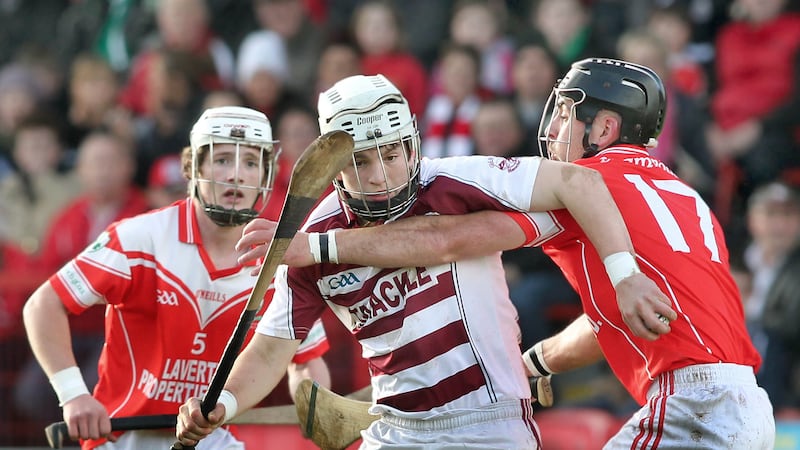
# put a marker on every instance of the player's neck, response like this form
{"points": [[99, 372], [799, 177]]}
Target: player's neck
{"points": [[218, 241]]}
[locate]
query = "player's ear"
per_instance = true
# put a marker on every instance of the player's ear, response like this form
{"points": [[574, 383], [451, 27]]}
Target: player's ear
{"points": [[608, 124]]}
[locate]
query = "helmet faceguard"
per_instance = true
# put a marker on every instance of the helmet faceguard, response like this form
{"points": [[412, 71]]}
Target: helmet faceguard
{"points": [[633, 91], [376, 114], [242, 127]]}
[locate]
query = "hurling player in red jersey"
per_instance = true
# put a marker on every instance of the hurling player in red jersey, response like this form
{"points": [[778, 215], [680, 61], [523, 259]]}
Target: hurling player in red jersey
{"points": [[173, 292], [696, 384], [694, 377]]}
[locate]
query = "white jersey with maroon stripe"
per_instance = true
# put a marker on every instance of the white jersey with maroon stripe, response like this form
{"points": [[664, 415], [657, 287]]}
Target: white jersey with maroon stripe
{"points": [[440, 340], [170, 312]]}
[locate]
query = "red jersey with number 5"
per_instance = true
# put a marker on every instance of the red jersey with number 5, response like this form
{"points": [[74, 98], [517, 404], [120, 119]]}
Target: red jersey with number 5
{"points": [[169, 311], [680, 245]]}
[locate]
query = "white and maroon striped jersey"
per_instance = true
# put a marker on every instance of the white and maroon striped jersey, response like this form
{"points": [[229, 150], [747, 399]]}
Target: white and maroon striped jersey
{"points": [[439, 340], [169, 311], [679, 244]]}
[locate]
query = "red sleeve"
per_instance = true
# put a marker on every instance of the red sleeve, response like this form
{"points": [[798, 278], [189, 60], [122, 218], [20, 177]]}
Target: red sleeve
{"points": [[525, 224]]}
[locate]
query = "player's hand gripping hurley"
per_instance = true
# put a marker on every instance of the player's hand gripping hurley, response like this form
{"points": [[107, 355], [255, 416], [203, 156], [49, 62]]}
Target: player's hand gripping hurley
{"points": [[312, 174]]}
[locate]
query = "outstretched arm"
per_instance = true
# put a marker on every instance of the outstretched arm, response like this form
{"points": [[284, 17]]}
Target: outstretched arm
{"points": [[414, 241]]}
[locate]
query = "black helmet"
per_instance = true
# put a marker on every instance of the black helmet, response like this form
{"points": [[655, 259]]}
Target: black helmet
{"points": [[633, 91]]}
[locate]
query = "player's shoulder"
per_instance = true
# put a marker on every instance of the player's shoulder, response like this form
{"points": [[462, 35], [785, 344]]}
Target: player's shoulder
{"points": [[148, 223]]}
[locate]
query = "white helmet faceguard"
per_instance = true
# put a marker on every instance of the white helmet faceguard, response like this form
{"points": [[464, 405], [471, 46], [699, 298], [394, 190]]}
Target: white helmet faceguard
{"points": [[375, 113], [241, 127]]}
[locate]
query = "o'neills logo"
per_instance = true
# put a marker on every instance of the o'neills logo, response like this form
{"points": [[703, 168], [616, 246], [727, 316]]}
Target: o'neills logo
{"points": [[369, 119], [211, 296]]}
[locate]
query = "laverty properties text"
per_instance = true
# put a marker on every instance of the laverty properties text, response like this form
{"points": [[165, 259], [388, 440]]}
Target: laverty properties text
{"points": [[180, 380]]}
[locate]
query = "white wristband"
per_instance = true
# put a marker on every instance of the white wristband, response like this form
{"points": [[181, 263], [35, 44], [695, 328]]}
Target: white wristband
{"points": [[68, 384], [313, 245], [227, 398], [534, 361], [333, 251], [620, 266]]}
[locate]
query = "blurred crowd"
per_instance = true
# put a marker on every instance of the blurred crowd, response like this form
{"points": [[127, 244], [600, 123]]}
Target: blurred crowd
{"points": [[97, 97]]}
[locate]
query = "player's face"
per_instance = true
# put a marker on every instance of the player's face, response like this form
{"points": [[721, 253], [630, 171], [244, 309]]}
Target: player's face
{"points": [[565, 133], [378, 174], [230, 175]]}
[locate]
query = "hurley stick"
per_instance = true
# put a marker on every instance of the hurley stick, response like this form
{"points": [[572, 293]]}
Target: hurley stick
{"points": [[330, 420]]}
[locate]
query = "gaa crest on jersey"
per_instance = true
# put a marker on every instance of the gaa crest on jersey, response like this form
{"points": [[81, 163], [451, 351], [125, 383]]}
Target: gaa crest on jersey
{"points": [[100, 242], [507, 164]]}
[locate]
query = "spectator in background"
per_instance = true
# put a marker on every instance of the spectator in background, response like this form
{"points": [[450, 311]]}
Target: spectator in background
{"points": [[773, 222], [105, 169], [222, 97], [112, 30], [183, 26], [534, 72], [449, 114], [19, 97], [379, 34], [29, 198], [424, 23], [755, 106], [705, 17], [340, 59], [567, 28], [535, 283], [166, 183], [479, 24], [173, 98], [672, 25], [93, 95], [47, 75], [782, 359], [262, 73], [301, 38], [774, 302]]}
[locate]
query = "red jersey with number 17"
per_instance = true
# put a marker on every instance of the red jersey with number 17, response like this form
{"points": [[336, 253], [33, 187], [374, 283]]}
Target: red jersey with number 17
{"points": [[680, 245]]}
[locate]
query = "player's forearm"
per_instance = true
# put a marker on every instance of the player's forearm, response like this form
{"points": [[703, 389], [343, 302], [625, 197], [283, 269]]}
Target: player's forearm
{"points": [[574, 347], [429, 240], [258, 369], [47, 328]]}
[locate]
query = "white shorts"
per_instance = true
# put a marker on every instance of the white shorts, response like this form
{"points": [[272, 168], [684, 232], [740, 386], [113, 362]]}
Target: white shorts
{"points": [[507, 425], [709, 406], [220, 439]]}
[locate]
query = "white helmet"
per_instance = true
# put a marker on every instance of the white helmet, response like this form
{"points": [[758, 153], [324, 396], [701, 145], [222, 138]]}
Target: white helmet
{"points": [[375, 113], [242, 127]]}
